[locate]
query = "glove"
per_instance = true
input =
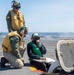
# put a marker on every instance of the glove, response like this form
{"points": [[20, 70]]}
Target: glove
{"points": [[38, 43], [42, 58], [22, 47], [22, 60]]}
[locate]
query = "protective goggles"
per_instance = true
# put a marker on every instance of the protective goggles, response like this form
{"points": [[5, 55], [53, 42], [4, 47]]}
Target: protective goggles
{"points": [[17, 7], [36, 38]]}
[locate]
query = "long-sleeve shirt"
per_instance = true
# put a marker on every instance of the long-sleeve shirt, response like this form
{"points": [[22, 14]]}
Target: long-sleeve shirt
{"points": [[8, 19], [14, 41], [31, 53]]}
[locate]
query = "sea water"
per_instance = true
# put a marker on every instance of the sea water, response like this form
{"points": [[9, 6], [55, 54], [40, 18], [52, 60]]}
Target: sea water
{"points": [[47, 34]]}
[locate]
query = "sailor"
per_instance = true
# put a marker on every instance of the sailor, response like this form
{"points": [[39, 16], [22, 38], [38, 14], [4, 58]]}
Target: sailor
{"points": [[15, 18], [35, 51], [14, 48]]}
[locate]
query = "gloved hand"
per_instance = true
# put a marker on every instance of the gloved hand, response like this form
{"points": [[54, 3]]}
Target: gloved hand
{"points": [[42, 58], [22, 60], [38, 43], [22, 47]]}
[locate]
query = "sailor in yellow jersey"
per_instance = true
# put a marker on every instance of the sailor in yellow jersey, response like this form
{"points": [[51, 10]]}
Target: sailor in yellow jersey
{"points": [[13, 48], [15, 18]]}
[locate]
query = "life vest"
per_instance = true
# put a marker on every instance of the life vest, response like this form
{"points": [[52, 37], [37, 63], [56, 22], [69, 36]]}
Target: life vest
{"points": [[36, 50], [17, 20], [6, 43]]}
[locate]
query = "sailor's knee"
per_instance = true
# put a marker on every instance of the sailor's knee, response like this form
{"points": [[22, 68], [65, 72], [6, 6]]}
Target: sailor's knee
{"points": [[19, 64]]}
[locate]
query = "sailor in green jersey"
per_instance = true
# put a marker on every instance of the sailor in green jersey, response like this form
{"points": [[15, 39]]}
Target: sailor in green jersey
{"points": [[36, 50]]}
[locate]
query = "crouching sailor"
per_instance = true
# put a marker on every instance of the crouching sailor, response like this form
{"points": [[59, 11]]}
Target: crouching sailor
{"points": [[14, 48]]}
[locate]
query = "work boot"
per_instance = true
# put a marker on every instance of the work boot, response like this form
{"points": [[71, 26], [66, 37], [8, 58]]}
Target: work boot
{"points": [[3, 62]]}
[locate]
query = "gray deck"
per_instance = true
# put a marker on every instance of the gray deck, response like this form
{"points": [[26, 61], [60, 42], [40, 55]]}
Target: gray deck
{"points": [[50, 46]]}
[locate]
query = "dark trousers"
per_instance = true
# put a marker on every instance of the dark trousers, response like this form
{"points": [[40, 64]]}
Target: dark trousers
{"points": [[41, 65]]}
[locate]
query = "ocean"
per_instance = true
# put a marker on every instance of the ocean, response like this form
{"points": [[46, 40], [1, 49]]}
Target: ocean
{"points": [[46, 34]]}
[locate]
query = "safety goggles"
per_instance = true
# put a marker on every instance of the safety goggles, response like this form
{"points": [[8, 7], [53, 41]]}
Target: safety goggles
{"points": [[36, 38], [16, 7]]}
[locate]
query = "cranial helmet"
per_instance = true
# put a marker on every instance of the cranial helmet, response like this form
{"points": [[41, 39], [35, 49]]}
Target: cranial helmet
{"points": [[35, 36], [16, 5], [23, 28]]}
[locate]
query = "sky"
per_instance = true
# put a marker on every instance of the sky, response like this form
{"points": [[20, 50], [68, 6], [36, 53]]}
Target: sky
{"points": [[42, 15]]}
